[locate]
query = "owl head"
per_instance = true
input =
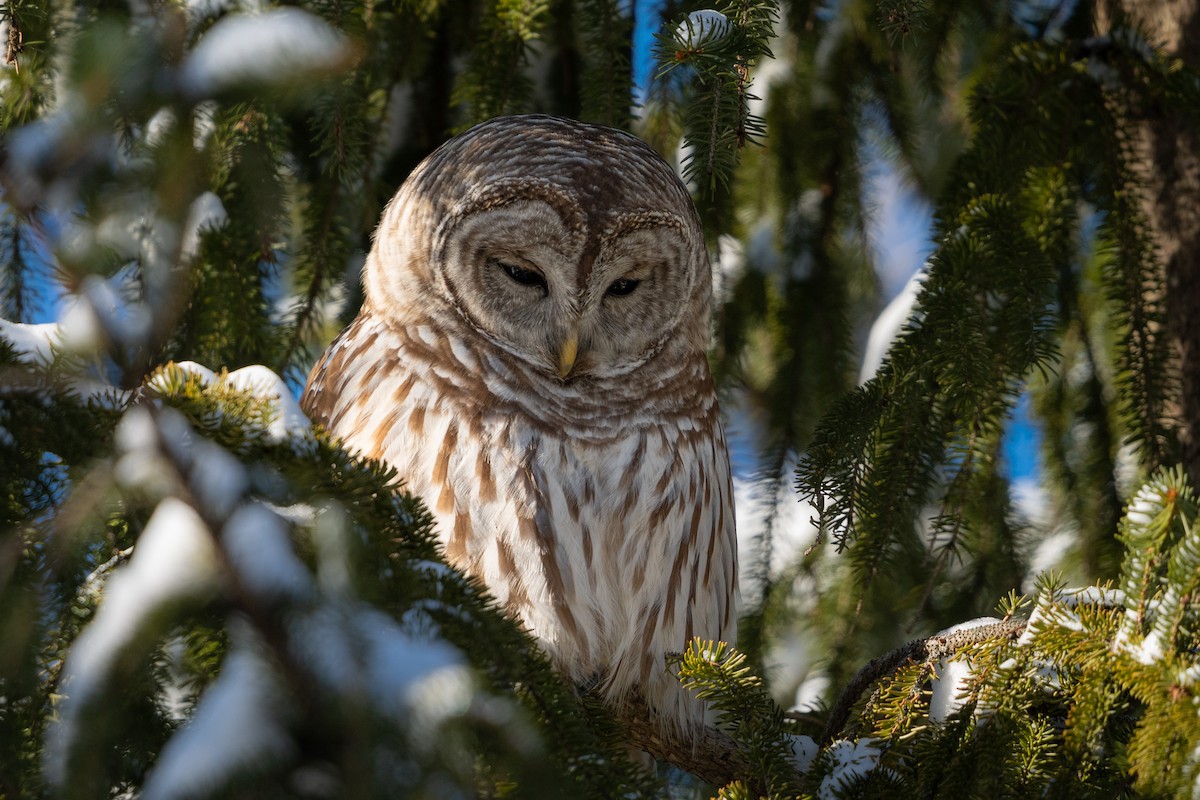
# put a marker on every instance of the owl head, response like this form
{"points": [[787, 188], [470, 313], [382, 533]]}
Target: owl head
{"points": [[573, 247]]}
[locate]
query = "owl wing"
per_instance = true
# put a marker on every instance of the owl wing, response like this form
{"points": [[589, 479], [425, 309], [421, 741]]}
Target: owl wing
{"points": [[680, 565], [344, 365]]}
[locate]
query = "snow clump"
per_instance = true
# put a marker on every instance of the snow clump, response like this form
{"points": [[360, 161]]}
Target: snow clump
{"points": [[274, 46], [702, 27]]}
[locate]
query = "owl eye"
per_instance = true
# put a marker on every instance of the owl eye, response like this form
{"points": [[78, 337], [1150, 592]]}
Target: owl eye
{"points": [[622, 287], [525, 277]]}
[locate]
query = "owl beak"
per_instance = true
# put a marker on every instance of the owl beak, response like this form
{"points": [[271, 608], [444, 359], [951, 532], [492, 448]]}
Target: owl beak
{"points": [[567, 354]]}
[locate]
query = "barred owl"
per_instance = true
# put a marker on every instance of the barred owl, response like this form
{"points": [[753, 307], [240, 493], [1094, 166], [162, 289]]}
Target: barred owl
{"points": [[531, 358]]}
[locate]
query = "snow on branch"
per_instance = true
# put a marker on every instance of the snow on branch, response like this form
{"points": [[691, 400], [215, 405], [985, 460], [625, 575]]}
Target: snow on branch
{"points": [[275, 46]]}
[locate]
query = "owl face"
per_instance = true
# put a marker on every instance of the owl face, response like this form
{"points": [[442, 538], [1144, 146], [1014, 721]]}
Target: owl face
{"points": [[524, 272], [571, 246]]}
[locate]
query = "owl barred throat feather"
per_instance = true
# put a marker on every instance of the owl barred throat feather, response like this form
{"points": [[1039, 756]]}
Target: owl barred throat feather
{"points": [[531, 357]]}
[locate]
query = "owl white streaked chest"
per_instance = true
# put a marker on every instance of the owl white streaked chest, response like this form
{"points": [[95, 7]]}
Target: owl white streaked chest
{"points": [[531, 358]]}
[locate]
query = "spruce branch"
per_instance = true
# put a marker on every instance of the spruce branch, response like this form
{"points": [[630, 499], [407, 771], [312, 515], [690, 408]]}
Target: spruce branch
{"points": [[748, 721], [14, 289], [1135, 283], [495, 81], [604, 33], [714, 51], [918, 651], [711, 755], [410, 580]]}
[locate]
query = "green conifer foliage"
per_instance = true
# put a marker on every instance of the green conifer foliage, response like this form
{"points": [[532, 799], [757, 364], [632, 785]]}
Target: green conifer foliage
{"points": [[202, 596], [924, 430], [720, 48], [1094, 699]]}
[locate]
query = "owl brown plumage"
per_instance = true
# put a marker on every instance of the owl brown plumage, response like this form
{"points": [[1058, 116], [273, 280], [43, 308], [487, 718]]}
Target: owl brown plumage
{"points": [[531, 357]]}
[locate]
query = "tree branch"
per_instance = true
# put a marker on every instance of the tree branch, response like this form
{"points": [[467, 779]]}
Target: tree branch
{"points": [[932, 648], [712, 756]]}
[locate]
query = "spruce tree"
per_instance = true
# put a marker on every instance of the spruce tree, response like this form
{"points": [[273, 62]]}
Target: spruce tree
{"points": [[201, 595]]}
